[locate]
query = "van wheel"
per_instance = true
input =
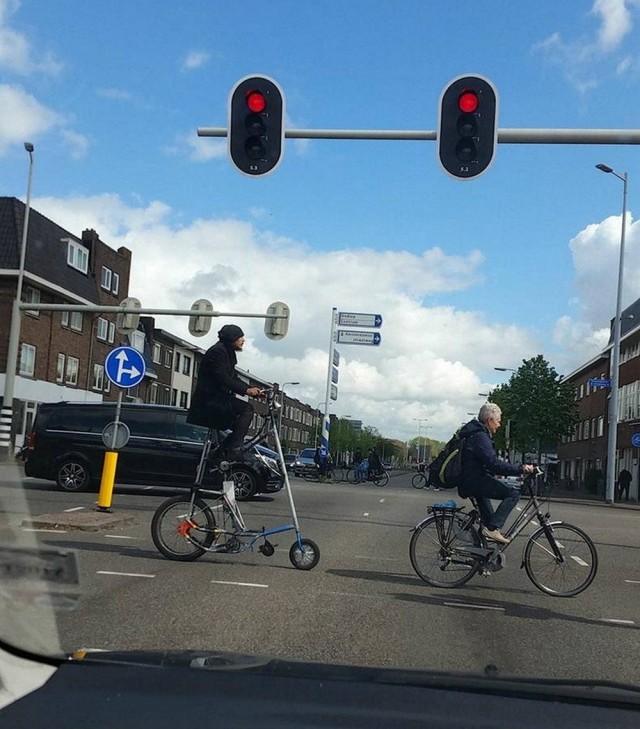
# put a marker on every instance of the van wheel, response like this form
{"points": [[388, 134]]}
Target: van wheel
{"points": [[72, 474], [246, 482]]}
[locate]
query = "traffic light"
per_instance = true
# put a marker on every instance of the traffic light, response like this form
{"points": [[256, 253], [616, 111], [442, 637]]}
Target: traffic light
{"points": [[256, 128], [467, 126]]}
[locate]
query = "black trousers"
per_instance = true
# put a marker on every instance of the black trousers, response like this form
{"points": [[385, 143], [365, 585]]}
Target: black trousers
{"points": [[243, 413]]}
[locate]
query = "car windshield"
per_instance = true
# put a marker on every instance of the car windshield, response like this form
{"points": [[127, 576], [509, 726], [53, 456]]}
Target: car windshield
{"points": [[207, 235]]}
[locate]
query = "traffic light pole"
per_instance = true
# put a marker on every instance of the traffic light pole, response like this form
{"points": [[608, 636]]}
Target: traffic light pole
{"points": [[505, 136]]}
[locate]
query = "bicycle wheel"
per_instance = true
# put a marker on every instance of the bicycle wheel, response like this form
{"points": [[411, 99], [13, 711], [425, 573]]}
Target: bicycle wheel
{"points": [[181, 532], [304, 555], [351, 475], [436, 551], [560, 559], [418, 481], [381, 479]]}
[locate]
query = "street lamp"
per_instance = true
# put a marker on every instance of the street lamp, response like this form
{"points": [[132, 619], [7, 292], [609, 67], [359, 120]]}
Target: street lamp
{"points": [[282, 406], [615, 356], [6, 412]]}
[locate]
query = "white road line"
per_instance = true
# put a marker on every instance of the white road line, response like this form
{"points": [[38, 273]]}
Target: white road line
{"points": [[580, 561], [476, 607], [382, 501], [122, 574], [239, 584], [120, 536], [617, 622], [366, 513], [50, 531], [633, 582], [75, 508]]}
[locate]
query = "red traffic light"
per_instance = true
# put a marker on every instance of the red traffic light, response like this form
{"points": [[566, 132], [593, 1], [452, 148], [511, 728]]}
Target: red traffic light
{"points": [[256, 101], [468, 101]]}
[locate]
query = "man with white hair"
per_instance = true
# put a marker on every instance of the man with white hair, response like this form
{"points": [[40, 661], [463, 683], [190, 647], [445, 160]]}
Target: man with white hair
{"points": [[480, 465]]}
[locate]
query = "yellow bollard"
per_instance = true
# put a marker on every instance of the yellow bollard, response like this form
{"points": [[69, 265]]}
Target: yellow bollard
{"points": [[107, 480]]}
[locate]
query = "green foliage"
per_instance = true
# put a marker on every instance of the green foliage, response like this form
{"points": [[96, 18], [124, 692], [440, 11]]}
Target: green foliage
{"points": [[542, 406]]}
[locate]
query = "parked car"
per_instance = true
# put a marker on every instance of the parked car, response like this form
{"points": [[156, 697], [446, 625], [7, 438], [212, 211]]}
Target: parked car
{"points": [[291, 461], [305, 461], [65, 446]]}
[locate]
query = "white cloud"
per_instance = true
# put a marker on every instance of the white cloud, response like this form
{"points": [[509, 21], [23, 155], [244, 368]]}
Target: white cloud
{"points": [[16, 52], [616, 22], [194, 59], [197, 149], [427, 365], [28, 118]]}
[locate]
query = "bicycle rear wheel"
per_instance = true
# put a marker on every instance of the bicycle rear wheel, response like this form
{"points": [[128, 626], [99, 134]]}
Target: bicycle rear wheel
{"points": [[418, 481], [560, 559], [381, 479], [351, 475], [183, 532], [436, 551]]}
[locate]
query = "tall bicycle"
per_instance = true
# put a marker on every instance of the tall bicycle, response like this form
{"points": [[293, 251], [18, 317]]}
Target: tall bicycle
{"points": [[187, 526], [447, 549]]}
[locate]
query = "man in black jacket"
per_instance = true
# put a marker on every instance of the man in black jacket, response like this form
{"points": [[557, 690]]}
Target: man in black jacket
{"points": [[480, 464], [214, 403]]}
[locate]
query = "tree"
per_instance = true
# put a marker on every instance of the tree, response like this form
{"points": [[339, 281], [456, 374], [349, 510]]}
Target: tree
{"points": [[541, 404]]}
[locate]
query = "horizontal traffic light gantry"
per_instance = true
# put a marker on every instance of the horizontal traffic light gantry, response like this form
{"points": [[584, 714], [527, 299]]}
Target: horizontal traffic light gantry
{"points": [[467, 126], [256, 127]]}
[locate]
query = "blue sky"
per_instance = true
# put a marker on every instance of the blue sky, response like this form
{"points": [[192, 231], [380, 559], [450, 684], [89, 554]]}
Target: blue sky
{"points": [[467, 275]]}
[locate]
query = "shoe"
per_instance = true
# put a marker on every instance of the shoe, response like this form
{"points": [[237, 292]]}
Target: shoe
{"points": [[494, 535]]}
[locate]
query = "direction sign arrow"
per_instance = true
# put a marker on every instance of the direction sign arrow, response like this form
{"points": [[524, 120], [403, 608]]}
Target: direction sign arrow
{"points": [[352, 319], [125, 366], [367, 338]]}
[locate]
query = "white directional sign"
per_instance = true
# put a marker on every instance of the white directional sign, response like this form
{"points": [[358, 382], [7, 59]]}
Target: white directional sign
{"points": [[125, 366], [351, 319], [367, 338]]}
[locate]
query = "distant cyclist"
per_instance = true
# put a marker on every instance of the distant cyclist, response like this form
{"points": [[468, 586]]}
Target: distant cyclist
{"points": [[480, 465]]}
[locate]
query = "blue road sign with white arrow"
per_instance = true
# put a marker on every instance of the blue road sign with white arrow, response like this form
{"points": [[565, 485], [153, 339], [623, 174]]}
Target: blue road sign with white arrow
{"points": [[353, 319], [366, 338], [125, 366]]}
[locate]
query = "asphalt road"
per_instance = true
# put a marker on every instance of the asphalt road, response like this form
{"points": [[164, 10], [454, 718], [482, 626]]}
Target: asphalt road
{"points": [[362, 604]]}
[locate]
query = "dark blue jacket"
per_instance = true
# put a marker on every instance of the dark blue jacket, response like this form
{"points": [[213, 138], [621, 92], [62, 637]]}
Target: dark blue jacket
{"points": [[479, 457]]}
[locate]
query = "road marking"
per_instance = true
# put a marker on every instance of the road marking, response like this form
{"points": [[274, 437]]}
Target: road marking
{"points": [[239, 584], [633, 582], [617, 621], [581, 562], [382, 501], [476, 607], [120, 536], [366, 513], [123, 574], [75, 508], [49, 531]]}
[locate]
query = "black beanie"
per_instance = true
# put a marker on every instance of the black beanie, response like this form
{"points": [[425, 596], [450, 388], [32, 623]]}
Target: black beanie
{"points": [[230, 332]]}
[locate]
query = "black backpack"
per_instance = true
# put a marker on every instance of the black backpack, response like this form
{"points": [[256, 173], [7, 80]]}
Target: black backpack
{"points": [[446, 469]]}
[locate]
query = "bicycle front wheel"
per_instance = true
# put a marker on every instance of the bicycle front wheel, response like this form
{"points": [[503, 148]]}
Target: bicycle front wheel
{"points": [[351, 475], [560, 559], [381, 479], [437, 553], [418, 481], [183, 532]]}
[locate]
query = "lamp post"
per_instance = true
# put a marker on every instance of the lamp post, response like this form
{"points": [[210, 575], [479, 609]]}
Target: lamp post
{"points": [[315, 435], [6, 412], [420, 421], [282, 406], [615, 354]]}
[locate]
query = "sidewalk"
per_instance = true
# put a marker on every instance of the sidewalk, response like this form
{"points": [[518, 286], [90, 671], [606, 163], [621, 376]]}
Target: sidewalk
{"points": [[582, 497]]}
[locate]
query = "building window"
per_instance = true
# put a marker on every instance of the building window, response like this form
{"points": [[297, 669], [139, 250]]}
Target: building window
{"points": [[137, 340], [102, 329], [115, 283], [174, 396], [184, 399], [112, 332], [73, 364], [176, 362], [27, 360], [186, 365], [77, 256], [157, 353], [153, 393], [72, 319], [32, 296], [97, 383], [168, 357], [60, 368], [64, 318], [105, 278]]}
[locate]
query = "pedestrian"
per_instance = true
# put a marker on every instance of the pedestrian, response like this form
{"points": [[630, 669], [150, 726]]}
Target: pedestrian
{"points": [[320, 459], [624, 481], [215, 403]]}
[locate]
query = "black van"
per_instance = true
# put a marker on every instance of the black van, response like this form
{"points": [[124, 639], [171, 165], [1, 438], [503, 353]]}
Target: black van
{"points": [[66, 446]]}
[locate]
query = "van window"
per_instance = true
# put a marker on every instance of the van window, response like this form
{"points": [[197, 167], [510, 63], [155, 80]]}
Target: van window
{"points": [[148, 423], [187, 431], [81, 418]]}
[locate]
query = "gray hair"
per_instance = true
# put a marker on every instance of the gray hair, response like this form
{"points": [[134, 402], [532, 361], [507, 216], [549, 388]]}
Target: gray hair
{"points": [[489, 410]]}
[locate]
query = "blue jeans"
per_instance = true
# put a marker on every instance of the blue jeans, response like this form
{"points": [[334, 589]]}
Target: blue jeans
{"points": [[486, 488]]}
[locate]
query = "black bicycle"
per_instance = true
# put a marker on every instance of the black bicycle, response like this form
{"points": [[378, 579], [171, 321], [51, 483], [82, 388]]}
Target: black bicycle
{"points": [[447, 549]]}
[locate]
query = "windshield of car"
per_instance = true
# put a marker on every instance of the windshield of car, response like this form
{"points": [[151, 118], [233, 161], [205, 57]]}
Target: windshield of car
{"points": [[406, 211]]}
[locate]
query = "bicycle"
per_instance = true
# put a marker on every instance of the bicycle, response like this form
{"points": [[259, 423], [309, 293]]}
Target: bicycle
{"points": [[186, 526], [419, 480], [447, 549], [379, 478], [312, 473]]}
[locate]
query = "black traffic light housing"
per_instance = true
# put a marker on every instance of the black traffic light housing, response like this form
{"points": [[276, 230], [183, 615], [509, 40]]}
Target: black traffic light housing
{"points": [[467, 126], [256, 125]]}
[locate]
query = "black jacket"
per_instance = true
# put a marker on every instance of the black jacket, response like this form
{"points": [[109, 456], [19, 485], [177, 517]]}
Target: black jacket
{"points": [[217, 383], [479, 457]]}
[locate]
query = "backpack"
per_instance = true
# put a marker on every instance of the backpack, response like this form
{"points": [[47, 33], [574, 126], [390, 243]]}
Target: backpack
{"points": [[446, 469]]}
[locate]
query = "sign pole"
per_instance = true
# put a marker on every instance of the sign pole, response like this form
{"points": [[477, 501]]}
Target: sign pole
{"points": [[326, 423]]}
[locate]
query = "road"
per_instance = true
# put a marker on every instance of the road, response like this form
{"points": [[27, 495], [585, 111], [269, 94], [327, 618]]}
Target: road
{"points": [[362, 604]]}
